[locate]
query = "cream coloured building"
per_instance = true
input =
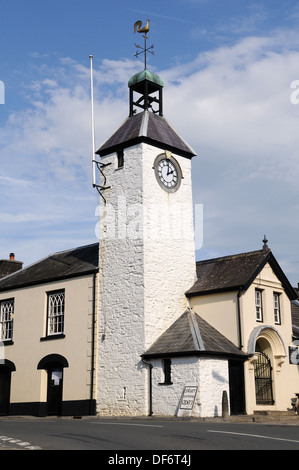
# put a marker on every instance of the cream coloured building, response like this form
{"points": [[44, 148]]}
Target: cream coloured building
{"points": [[48, 347], [248, 298]]}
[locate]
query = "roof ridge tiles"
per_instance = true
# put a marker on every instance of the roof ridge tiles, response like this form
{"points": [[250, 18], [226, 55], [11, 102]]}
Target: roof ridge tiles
{"points": [[82, 260], [230, 257]]}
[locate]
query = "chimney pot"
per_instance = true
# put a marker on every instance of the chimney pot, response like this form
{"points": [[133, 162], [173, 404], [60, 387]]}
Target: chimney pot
{"points": [[12, 256]]}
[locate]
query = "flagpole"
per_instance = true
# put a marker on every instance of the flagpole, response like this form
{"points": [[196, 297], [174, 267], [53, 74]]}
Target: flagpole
{"points": [[92, 124]]}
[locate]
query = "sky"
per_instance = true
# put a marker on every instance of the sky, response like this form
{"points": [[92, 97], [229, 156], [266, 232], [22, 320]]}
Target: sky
{"points": [[231, 89]]}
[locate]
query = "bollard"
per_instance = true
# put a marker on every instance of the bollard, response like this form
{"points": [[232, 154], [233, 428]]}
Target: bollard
{"points": [[225, 413]]}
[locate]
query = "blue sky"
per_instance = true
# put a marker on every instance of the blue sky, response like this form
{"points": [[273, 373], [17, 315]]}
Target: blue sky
{"points": [[227, 65]]}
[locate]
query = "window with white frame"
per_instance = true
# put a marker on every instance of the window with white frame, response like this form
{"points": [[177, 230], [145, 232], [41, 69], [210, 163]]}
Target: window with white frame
{"points": [[258, 305], [56, 303], [6, 319], [276, 304]]}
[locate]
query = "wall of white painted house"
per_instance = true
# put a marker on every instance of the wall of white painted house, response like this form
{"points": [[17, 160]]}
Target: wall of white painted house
{"points": [[210, 374]]}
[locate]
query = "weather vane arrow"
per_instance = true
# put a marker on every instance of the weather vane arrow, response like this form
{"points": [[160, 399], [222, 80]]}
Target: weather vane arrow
{"points": [[138, 29]]}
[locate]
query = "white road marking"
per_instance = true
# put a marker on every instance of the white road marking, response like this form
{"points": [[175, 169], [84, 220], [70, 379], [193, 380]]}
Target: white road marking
{"points": [[256, 435], [12, 440]]}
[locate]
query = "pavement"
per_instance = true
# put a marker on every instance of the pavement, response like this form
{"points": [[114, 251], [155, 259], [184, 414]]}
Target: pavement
{"points": [[271, 417], [287, 417]]}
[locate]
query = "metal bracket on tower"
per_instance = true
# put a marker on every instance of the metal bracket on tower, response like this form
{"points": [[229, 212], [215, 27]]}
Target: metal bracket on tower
{"points": [[101, 188]]}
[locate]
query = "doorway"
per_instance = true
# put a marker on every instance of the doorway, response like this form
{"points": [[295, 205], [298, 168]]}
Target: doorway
{"points": [[5, 379], [263, 380], [236, 387], [263, 373], [54, 365], [54, 391]]}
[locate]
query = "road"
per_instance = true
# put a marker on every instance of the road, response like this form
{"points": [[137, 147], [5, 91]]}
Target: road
{"points": [[128, 435]]}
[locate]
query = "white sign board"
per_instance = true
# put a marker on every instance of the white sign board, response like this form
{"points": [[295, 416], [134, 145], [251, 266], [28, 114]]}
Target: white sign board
{"points": [[187, 400], [56, 377]]}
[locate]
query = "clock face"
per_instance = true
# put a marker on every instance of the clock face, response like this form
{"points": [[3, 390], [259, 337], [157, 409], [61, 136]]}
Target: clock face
{"points": [[168, 173]]}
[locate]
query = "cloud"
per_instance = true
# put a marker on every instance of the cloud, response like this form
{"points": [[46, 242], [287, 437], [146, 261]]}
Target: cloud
{"points": [[235, 110], [247, 23], [238, 99], [46, 153], [14, 181]]}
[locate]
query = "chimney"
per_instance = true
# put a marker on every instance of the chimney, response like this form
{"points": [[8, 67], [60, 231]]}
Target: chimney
{"points": [[9, 266]]}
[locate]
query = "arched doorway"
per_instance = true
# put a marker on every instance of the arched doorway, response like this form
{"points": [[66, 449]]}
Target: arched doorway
{"points": [[263, 374], [268, 351], [54, 365], [5, 379]]}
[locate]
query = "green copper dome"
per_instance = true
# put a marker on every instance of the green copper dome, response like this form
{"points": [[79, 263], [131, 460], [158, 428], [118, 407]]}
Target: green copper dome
{"points": [[145, 75]]}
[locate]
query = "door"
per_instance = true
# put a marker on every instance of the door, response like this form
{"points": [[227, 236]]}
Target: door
{"points": [[5, 377], [263, 380], [236, 387], [54, 396]]}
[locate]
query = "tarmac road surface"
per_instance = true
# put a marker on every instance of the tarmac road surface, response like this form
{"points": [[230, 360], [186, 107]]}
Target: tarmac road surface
{"points": [[171, 437]]}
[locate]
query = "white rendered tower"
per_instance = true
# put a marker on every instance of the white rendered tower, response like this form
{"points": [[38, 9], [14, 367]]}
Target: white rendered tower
{"points": [[146, 246]]}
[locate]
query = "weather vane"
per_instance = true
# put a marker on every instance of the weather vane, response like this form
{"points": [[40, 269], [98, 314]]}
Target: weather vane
{"points": [[138, 28]]}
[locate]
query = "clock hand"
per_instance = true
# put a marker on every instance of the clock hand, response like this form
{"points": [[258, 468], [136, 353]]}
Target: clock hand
{"points": [[169, 172]]}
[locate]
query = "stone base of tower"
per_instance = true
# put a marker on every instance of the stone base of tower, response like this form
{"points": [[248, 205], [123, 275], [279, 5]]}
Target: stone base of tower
{"points": [[126, 394]]}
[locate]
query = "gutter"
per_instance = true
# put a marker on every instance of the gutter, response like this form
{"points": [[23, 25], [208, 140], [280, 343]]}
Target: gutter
{"points": [[42, 281], [91, 411], [196, 353], [150, 366], [239, 318]]}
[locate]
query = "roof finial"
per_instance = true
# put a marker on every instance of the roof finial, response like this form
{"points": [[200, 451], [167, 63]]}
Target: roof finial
{"points": [[145, 30], [265, 247]]}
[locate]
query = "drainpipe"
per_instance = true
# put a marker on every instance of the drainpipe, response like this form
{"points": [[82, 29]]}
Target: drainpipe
{"points": [[150, 386], [239, 318], [92, 342]]}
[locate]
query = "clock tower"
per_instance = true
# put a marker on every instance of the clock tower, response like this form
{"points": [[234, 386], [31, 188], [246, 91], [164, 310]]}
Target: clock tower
{"points": [[146, 244]]}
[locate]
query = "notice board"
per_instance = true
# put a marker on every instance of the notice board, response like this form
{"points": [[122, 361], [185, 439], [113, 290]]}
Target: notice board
{"points": [[187, 400]]}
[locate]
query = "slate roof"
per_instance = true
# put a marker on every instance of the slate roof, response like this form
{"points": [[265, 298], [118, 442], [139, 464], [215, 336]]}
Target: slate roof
{"points": [[235, 272], [191, 335], [150, 128], [61, 265]]}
